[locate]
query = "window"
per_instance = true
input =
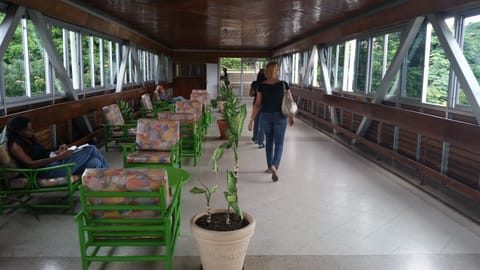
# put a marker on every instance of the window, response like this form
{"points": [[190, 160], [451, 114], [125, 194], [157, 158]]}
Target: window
{"points": [[361, 66], [437, 71], [14, 66], [471, 50], [413, 80], [36, 61]]}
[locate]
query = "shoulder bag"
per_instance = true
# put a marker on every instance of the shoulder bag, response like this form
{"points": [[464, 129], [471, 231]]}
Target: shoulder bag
{"points": [[289, 107]]}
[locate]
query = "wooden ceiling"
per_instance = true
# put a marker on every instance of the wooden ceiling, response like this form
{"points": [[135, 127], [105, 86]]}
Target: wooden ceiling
{"points": [[233, 24]]}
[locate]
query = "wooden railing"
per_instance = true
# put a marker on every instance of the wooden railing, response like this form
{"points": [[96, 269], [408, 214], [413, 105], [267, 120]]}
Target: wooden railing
{"points": [[445, 150], [62, 114]]}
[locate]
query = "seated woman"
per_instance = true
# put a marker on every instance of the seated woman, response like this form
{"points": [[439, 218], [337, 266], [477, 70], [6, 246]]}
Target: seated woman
{"points": [[26, 149], [163, 95]]}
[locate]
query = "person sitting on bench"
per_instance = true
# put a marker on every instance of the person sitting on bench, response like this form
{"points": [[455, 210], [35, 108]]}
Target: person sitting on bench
{"points": [[30, 153]]}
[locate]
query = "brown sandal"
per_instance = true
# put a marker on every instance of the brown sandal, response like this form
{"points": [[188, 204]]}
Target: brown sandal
{"points": [[274, 174]]}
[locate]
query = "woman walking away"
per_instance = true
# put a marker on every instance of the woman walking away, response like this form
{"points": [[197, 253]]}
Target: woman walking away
{"points": [[269, 104], [258, 134], [27, 150]]}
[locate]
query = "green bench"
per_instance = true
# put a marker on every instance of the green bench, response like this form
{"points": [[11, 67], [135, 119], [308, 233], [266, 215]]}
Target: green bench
{"points": [[18, 186], [130, 208]]}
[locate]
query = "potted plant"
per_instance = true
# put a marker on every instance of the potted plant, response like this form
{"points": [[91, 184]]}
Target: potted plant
{"points": [[226, 101], [126, 110], [223, 95], [223, 235]]}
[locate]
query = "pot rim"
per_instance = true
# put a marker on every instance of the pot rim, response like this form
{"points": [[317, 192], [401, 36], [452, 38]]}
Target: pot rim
{"points": [[246, 215]]}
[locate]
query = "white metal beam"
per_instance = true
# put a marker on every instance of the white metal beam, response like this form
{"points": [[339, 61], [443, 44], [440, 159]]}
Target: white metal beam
{"points": [[47, 43], [7, 29], [8, 26], [326, 83], [307, 76], [123, 66], [459, 63], [405, 43]]}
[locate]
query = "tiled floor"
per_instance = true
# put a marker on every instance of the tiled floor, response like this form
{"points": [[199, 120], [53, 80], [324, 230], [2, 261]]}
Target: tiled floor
{"points": [[331, 209]]}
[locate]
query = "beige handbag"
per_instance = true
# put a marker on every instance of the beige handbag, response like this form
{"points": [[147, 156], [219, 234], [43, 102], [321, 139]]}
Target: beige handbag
{"points": [[289, 107]]}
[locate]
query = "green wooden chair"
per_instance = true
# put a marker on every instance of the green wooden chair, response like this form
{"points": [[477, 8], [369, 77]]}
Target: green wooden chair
{"points": [[133, 209], [189, 132], [19, 186], [115, 128], [196, 107], [150, 109], [158, 144], [203, 97]]}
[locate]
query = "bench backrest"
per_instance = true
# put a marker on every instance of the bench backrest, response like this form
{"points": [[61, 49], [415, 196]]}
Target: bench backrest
{"points": [[124, 187], [113, 115], [157, 134]]}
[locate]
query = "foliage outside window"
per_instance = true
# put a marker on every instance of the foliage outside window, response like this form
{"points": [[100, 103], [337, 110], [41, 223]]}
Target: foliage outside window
{"points": [[14, 65], [415, 62], [36, 61], [471, 50], [361, 66], [383, 58], [438, 72]]}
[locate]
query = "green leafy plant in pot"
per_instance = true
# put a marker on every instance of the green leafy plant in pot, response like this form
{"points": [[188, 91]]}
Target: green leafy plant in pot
{"points": [[126, 110], [229, 103], [226, 231], [224, 94]]}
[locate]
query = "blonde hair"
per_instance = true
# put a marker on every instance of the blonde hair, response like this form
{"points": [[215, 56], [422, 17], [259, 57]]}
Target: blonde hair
{"points": [[271, 70]]}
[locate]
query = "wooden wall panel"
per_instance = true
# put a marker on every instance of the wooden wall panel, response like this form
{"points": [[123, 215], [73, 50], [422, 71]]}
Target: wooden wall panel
{"points": [[431, 153], [407, 143], [387, 135], [464, 166]]}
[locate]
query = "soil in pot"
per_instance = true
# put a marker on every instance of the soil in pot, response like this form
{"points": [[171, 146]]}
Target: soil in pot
{"points": [[218, 222]]}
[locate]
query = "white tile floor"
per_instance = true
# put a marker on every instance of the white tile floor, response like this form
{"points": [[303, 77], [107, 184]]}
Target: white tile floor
{"points": [[331, 209]]}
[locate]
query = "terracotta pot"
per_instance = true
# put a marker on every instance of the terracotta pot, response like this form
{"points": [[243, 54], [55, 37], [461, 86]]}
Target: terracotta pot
{"points": [[222, 127], [222, 250]]}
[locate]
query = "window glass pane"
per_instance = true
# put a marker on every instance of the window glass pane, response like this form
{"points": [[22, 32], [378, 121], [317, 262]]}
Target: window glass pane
{"points": [[106, 62], [319, 70], [37, 61], [96, 61], [438, 71], [86, 61], [415, 64], [382, 59], [301, 67], [13, 66], [361, 66], [57, 36], [349, 65], [378, 62], [471, 50], [341, 58], [331, 64]]}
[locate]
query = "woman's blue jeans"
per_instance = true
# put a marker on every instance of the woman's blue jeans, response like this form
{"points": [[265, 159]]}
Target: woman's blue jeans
{"points": [[274, 125], [258, 133], [88, 157]]}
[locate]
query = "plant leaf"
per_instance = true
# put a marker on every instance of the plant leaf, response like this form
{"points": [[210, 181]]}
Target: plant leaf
{"points": [[214, 188], [197, 190], [231, 182], [237, 210]]}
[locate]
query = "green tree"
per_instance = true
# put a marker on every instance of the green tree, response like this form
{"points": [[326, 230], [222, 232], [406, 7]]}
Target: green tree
{"points": [[230, 63]]}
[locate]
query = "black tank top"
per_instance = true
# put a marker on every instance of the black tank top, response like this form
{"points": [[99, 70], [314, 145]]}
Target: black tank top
{"points": [[272, 95]]}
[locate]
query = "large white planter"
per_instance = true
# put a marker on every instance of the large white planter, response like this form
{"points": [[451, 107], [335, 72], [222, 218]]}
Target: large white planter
{"points": [[222, 250]]}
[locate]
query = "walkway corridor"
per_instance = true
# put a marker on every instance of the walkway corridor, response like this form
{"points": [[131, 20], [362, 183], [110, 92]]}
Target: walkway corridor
{"points": [[331, 209]]}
